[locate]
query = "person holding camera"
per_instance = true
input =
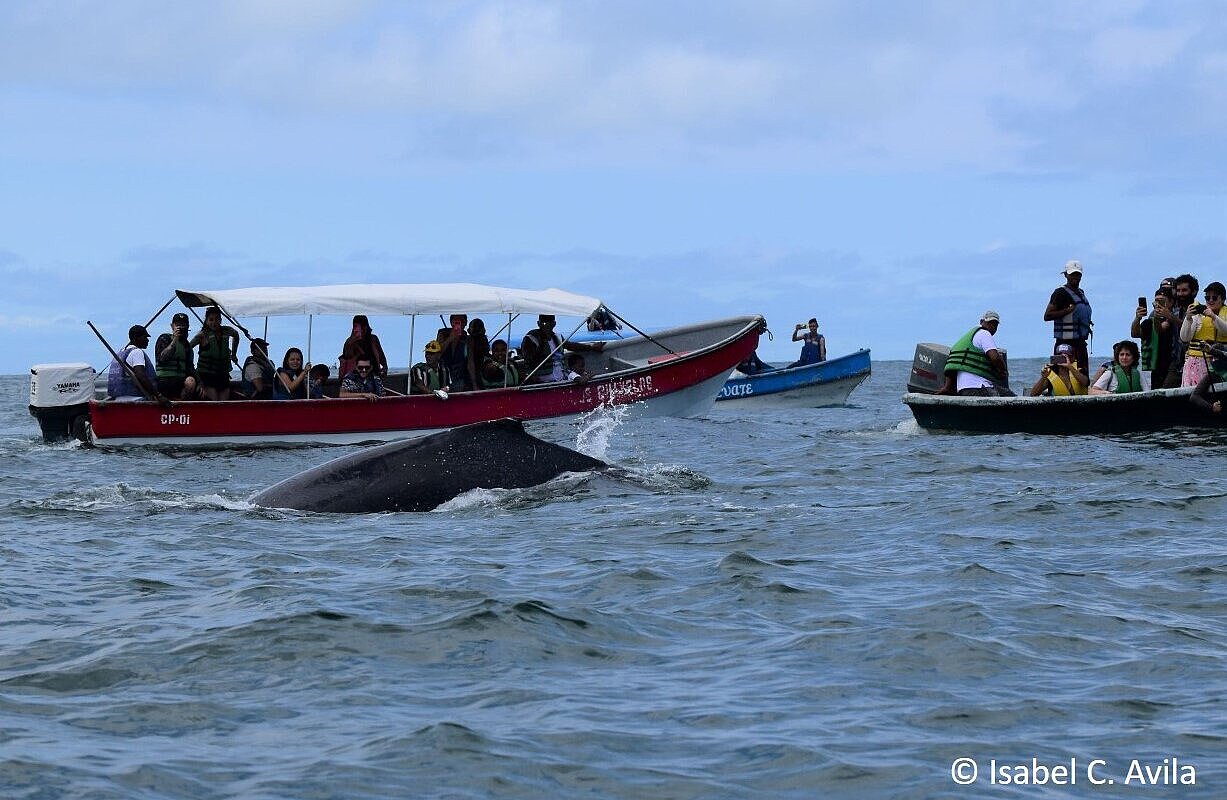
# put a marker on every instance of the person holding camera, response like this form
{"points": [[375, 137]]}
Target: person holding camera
{"points": [[1156, 331], [1204, 326], [814, 348], [1061, 377], [173, 355]]}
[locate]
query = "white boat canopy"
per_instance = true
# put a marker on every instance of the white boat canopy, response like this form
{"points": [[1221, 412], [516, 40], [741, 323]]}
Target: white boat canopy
{"points": [[390, 299]]}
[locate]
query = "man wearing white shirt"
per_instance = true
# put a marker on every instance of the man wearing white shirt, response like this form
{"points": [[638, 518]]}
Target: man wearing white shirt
{"points": [[975, 367]]}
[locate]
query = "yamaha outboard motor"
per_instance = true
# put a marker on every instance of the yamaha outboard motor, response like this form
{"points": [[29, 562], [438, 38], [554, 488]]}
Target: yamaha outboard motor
{"points": [[59, 399], [928, 368]]}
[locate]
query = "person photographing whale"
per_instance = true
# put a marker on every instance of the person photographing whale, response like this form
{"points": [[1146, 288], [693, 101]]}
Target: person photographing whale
{"points": [[975, 367]]}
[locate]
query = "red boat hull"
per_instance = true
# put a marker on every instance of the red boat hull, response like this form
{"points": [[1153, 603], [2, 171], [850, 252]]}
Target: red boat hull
{"points": [[673, 386]]}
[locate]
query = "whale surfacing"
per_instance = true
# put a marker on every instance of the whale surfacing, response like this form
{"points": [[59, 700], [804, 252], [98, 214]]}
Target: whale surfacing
{"points": [[421, 474]]}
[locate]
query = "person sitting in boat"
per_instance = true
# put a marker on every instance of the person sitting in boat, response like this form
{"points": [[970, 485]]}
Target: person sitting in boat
{"points": [[1204, 326], [259, 373], [1204, 396], [317, 376], [291, 380], [1123, 374], [431, 376], [136, 381], [499, 369], [363, 381], [1060, 377], [542, 349], [216, 356], [1070, 314], [575, 369], [975, 367], [753, 365], [1156, 333], [362, 342], [603, 320], [175, 364]]}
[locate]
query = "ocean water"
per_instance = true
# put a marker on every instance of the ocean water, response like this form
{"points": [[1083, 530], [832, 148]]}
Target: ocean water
{"points": [[830, 603]]}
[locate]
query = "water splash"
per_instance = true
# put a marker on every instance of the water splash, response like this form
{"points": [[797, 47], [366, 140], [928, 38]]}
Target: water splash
{"points": [[596, 429]]}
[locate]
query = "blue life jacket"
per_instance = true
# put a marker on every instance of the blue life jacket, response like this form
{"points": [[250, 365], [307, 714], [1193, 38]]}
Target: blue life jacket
{"points": [[119, 380], [1077, 323]]}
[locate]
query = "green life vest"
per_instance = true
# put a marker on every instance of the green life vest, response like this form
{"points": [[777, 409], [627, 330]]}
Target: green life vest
{"points": [[966, 357], [214, 355], [1150, 347], [177, 365], [1131, 382], [511, 377]]}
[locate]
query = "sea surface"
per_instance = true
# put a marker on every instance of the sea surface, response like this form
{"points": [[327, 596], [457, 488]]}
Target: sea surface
{"points": [[772, 604]]}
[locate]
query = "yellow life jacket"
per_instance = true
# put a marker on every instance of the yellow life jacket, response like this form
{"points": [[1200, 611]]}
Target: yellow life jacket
{"points": [[1059, 389], [1206, 334]]}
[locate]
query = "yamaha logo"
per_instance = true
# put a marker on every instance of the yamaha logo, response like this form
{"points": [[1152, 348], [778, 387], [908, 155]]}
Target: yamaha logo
{"points": [[69, 387]]}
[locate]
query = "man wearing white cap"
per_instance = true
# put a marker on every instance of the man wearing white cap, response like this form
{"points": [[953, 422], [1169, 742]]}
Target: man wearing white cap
{"points": [[1070, 314], [975, 366]]}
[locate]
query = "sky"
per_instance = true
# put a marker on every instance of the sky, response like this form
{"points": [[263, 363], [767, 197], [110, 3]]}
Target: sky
{"points": [[891, 168]]}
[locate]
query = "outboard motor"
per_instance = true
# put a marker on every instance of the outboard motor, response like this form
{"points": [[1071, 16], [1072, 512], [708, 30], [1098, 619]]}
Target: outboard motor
{"points": [[59, 399], [928, 368]]}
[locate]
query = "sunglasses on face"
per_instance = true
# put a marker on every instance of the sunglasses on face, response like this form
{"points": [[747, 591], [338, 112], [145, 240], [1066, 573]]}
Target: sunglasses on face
{"points": [[363, 367]]}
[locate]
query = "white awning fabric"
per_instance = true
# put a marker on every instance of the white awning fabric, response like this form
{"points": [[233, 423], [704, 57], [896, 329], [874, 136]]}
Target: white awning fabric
{"points": [[390, 299]]}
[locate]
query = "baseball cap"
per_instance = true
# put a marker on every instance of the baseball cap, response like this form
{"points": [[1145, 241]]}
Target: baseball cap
{"points": [[137, 330], [1065, 348], [433, 347], [180, 317], [263, 344], [990, 316], [1073, 266]]}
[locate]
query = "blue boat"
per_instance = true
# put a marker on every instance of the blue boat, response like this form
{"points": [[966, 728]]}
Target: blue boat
{"points": [[826, 383]]}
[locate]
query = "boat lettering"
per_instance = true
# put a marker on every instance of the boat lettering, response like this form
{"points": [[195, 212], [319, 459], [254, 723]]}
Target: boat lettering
{"points": [[737, 390], [176, 419], [70, 387], [624, 390]]}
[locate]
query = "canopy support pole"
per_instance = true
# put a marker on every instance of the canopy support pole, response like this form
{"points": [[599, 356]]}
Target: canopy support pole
{"points": [[413, 324], [310, 321], [160, 310], [636, 330]]}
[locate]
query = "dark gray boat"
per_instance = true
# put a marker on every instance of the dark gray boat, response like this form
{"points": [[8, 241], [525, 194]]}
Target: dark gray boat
{"points": [[1104, 413]]}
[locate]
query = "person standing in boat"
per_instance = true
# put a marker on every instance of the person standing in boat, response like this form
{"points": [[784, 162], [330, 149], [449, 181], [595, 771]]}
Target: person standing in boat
{"points": [[1070, 314], [1185, 290], [362, 342], [455, 353], [814, 348], [975, 367], [541, 350], [137, 381], [176, 370], [1156, 332], [1123, 373], [1060, 377], [1204, 326], [215, 357]]}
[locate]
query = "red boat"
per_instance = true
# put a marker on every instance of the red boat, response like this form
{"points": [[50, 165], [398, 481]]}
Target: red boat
{"points": [[675, 372]]}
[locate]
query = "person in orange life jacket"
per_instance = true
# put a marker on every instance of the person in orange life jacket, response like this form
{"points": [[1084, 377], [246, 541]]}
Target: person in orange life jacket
{"points": [[1203, 327], [541, 348], [1070, 314], [975, 367], [123, 384], [1061, 376]]}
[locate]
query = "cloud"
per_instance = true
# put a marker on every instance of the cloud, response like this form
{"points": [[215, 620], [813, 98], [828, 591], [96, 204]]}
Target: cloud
{"points": [[949, 85]]}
